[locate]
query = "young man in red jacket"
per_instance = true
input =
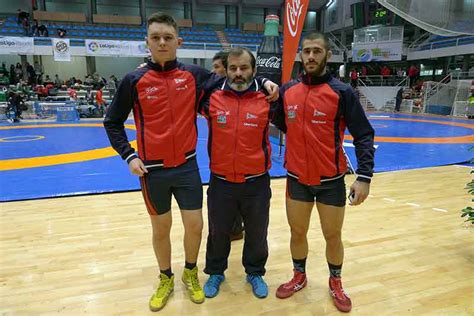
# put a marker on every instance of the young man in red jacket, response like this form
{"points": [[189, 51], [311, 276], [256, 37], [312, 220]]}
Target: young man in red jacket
{"points": [[316, 109], [164, 96], [238, 115]]}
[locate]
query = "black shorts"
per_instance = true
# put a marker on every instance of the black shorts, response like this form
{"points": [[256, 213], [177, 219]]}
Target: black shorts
{"points": [[184, 182], [329, 192]]}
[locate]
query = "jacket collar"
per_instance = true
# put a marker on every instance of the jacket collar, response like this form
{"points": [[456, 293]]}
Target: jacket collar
{"points": [[169, 65], [315, 80]]}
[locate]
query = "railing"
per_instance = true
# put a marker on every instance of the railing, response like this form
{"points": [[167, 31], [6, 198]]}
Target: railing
{"points": [[361, 83], [442, 44], [433, 90], [379, 80]]}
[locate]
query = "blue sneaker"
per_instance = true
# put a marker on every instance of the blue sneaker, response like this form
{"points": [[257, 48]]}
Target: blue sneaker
{"points": [[259, 287], [211, 287]]}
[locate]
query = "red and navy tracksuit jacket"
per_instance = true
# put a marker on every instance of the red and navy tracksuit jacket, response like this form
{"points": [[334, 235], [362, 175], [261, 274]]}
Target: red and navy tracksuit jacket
{"points": [[164, 101], [314, 112], [238, 144]]}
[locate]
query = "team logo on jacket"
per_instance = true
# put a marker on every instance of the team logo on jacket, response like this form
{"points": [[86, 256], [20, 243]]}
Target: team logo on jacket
{"points": [[317, 113], [291, 110], [150, 91], [178, 82], [222, 117], [251, 116]]}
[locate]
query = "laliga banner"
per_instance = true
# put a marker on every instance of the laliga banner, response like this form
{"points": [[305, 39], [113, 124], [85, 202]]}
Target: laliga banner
{"points": [[16, 45], [105, 48], [61, 49], [295, 13], [116, 48]]}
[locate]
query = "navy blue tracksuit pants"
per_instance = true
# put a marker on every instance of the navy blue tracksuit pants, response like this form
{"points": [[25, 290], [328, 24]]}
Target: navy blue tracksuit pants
{"points": [[224, 201]]}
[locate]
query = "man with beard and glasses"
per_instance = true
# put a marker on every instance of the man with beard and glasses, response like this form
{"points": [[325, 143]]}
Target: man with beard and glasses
{"points": [[240, 156], [314, 112]]}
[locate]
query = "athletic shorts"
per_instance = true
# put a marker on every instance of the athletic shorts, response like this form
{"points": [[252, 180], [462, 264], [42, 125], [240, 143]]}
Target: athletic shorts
{"points": [[183, 182], [329, 192]]}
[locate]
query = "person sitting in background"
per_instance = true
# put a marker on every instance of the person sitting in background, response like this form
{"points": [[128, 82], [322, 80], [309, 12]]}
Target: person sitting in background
{"points": [[47, 80], [4, 81], [35, 28], [58, 82], [43, 31], [61, 32]]}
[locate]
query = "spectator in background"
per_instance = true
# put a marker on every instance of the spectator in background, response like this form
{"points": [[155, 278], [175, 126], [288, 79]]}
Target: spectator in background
{"points": [[398, 100], [43, 31], [412, 73], [4, 70], [18, 72], [4, 81], [12, 74], [354, 77], [57, 82], [35, 28], [363, 71], [385, 72], [61, 32], [112, 85], [21, 16], [31, 74], [39, 72], [47, 80]]}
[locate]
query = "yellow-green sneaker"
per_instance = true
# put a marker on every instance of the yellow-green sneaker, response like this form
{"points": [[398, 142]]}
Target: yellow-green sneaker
{"points": [[163, 292], [191, 280]]}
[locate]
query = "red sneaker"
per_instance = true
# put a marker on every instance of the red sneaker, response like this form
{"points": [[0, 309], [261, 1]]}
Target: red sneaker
{"points": [[339, 296], [298, 282]]}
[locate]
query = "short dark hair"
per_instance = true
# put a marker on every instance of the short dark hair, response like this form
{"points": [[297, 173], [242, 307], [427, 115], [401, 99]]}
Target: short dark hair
{"points": [[222, 56], [316, 36], [238, 51], [164, 18]]}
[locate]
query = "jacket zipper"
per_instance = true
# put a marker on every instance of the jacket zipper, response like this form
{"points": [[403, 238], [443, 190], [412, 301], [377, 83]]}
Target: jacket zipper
{"points": [[173, 123]]}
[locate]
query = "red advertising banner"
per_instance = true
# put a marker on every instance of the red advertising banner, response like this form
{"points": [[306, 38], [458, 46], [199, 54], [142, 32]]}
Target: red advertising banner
{"points": [[295, 13]]}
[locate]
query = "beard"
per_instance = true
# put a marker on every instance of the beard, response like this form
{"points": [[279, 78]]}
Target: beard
{"points": [[319, 69], [240, 83]]}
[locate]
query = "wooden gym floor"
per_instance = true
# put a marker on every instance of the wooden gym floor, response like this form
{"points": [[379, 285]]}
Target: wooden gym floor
{"points": [[407, 252]]}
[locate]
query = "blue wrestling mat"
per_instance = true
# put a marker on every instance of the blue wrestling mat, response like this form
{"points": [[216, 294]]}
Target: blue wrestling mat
{"points": [[39, 160]]}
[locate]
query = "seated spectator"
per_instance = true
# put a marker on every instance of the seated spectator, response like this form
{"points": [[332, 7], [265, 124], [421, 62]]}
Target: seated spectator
{"points": [[43, 31], [61, 32], [4, 81], [47, 80], [22, 15], [58, 82], [35, 28]]}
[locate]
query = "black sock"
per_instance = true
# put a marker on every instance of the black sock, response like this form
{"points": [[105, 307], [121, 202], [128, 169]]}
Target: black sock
{"points": [[299, 265], [335, 270], [189, 266], [167, 272]]}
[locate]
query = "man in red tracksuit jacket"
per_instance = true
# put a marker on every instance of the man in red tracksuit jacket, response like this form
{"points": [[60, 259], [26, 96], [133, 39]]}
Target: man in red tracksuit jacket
{"points": [[164, 96], [315, 111], [240, 156]]}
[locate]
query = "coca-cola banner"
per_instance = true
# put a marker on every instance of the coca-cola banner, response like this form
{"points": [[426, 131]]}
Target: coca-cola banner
{"points": [[295, 13], [270, 61]]}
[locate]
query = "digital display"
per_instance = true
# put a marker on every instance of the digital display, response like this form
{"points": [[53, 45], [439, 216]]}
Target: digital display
{"points": [[379, 16], [380, 13]]}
